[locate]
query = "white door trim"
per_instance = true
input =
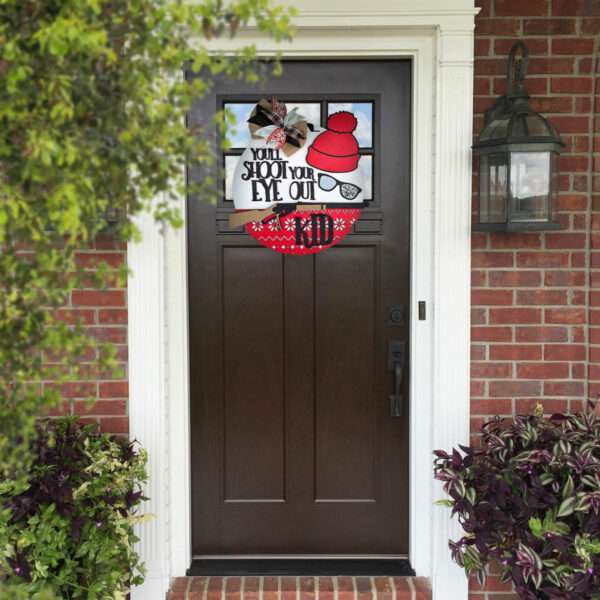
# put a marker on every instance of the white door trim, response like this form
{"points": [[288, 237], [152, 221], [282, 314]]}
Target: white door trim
{"points": [[439, 40]]}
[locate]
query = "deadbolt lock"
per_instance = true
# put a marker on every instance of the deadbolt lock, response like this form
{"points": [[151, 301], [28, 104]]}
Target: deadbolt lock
{"points": [[395, 315]]}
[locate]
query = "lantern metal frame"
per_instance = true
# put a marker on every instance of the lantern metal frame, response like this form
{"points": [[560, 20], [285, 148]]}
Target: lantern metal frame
{"points": [[507, 131]]}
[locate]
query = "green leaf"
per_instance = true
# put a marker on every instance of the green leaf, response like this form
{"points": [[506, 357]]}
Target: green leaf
{"points": [[535, 525], [446, 502], [568, 488], [567, 507]]}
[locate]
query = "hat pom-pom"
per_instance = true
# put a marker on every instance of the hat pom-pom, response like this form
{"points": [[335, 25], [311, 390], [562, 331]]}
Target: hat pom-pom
{"points": [[342, 122]]}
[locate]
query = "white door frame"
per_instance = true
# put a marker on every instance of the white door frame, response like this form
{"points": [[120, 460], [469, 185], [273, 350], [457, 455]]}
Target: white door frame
{"points": [[438, 36]]}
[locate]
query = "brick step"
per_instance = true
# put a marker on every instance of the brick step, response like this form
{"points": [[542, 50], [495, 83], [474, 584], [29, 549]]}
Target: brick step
{"points": [[299, 588]]}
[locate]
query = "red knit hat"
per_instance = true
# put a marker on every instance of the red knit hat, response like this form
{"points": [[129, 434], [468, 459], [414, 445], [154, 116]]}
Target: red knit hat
{"points": [[336, 149]]}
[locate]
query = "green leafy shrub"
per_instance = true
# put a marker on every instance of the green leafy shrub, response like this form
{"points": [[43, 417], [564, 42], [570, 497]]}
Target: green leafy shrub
{"points": [[93, 112], [529, 498], [69, 526]]}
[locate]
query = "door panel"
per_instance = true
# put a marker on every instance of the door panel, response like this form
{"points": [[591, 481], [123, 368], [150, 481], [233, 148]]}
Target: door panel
{"points": [[294, 450], [254, 404], [344, 374]]}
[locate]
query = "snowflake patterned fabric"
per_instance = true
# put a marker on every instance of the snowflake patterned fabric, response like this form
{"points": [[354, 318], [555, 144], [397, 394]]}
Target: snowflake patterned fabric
{"points": [[281, 234]]}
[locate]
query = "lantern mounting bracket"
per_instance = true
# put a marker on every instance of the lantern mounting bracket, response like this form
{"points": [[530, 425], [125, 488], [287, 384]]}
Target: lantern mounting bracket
{"points": [[515, 85], [516, 71]]}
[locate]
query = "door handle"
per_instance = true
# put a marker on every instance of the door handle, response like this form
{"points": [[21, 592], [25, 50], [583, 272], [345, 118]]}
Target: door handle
{"points": [[396, 399], [396, 351]]}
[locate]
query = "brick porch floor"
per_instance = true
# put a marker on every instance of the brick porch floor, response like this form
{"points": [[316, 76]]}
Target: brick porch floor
{"points": [[299, 588]]}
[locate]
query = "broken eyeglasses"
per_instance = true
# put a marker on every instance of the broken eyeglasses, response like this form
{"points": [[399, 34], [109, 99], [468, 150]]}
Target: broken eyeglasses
{"points": [[348, 191]]}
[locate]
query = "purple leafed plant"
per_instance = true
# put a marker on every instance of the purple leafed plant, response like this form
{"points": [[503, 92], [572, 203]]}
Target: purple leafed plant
{"points": [[529, 498]]}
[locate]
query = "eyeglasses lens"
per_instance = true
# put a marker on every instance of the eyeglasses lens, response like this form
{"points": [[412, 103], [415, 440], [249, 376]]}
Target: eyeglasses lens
{"points": [[349, 191], [327, 183]]}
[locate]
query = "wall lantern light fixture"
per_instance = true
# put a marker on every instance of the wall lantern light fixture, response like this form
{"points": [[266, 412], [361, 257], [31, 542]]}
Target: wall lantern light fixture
{"points": [[517, 151]]}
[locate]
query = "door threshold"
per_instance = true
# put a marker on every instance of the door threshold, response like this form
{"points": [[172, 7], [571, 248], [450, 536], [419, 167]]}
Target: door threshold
{"points": [[237, 567], [298, 556]]}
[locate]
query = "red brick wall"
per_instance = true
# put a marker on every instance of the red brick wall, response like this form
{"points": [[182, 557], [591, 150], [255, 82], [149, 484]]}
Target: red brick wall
{"points": [[536, 314], [104, 313]]}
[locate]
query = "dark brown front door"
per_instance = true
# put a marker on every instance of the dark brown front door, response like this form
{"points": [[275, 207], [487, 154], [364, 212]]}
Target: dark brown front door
{"points": [[294, 447]]}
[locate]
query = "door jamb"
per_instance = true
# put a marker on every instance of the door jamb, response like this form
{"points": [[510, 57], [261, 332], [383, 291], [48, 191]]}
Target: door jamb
{"points": [[440, 45]]}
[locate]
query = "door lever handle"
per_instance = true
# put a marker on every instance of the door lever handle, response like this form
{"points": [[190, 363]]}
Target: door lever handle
{"points": [[396, 350], [396, 399]]}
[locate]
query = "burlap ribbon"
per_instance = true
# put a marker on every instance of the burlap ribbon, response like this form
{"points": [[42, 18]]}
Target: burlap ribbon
{"points": [[265, 114]]}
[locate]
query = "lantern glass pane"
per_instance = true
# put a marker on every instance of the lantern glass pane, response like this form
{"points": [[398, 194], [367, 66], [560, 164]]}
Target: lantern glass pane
{"points": [[493, 188], [530, 186], [536, 126], [496, 129], [555, 186]]}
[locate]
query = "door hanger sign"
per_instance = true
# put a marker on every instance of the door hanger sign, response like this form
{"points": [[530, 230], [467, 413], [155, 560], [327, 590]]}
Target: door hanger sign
{"points": [[296, 189]]}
